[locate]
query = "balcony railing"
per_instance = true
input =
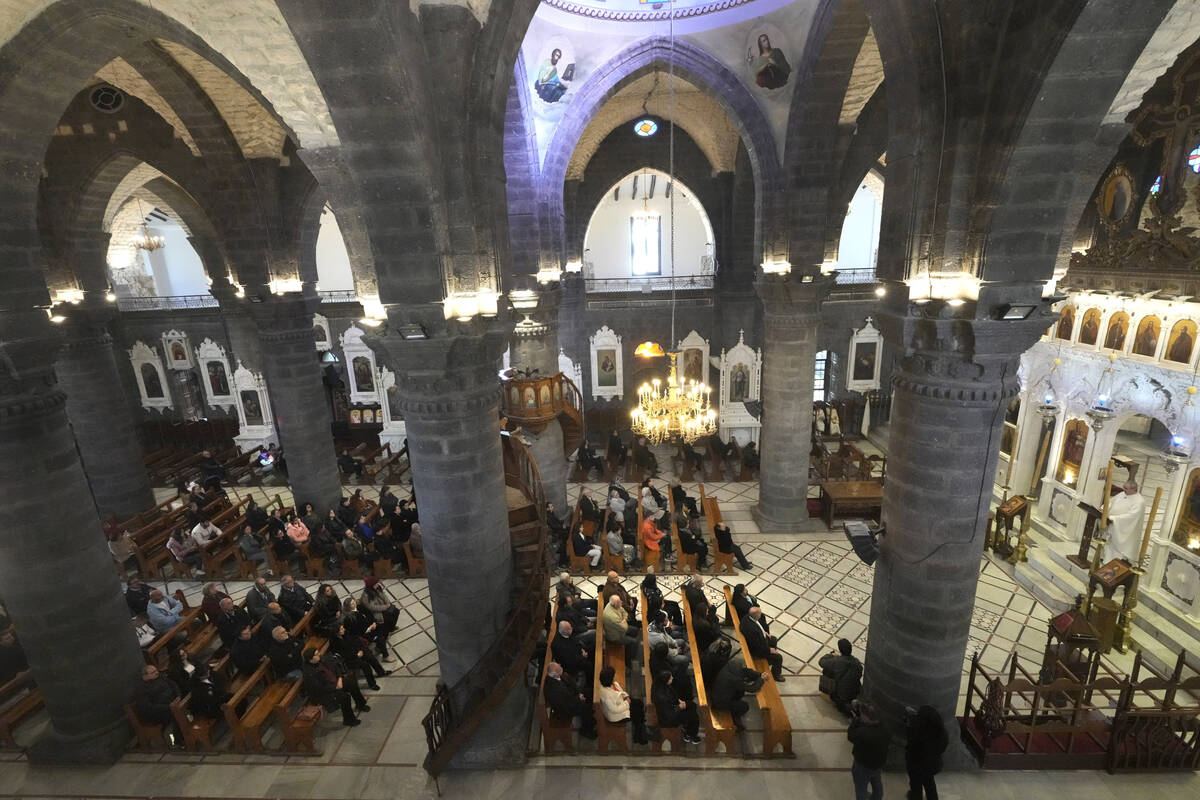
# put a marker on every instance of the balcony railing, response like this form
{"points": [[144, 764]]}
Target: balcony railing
{"points": [[856, 275], [650, 283], [187, 301]]}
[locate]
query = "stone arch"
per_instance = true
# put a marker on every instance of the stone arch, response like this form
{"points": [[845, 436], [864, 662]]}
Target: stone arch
{"points": [[867, 148], [705, 72]]}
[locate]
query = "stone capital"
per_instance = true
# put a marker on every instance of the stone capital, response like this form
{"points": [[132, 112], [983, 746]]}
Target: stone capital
{"points": [[281, 318], [792, 295]]}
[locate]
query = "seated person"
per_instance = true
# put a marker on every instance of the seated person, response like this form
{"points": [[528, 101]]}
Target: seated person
{"points": [[683, 501], [652, 537], [276, 618], [841, 676], [618, 706], [414, 541], [727, 690], [294, 598], [750, 459], [258, 598], [153, 697], [643, 457], [717, 447], [285, 654], [163, 611], [659, 630], [655, 601], [705, 625], [673, 711], [616, 448], [252, 546], [13, 663], [714, 657], [693, 457], [212, 469], [612, 585], [207, 693], [570, 652], [296, 530], [755, 631], [247, 651], [588, 508], [210, 601], [256, 516], [617, 629], [588, 459], [326, 688], [137, 595], [185, 550], [354, 550], [566, 585], [616, 546], [725, 545], [650, 506], [205, 533], [349, 464], [230, 620], [692, 544], [582, 624], [564, 702], [581, 545]]}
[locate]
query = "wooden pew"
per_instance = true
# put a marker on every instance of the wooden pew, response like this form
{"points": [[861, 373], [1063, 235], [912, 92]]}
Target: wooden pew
{"points": [[416, 566], [722, 562], [718, 725], [150, 735], [777, 729], [684, 562], [672, 735], [385, 464], [608, 733], [247, 728], [611, 562], [19, 702], [156, 651], [554, 731], [297, 721], [197, 731]]}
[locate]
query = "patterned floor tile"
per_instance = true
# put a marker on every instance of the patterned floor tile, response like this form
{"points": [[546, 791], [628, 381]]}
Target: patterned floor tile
{"points": [[825, 619], [801, 576]]}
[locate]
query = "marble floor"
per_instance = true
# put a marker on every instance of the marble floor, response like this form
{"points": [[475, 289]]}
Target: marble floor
{"points": [[811, 584]]}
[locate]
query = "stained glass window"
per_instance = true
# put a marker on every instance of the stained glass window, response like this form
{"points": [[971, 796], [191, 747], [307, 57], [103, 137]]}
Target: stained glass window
{"points": [[1194, 160], [645, 127]]}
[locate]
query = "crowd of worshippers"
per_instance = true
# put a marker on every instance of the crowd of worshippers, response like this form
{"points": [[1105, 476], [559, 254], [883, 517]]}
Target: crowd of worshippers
{"points": [[621, 536], [579, 623], [260, 629], [340, 534], [644, 457]]}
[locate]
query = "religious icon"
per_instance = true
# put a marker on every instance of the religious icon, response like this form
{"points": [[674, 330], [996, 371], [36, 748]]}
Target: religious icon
{"points": [[320, 335], [1188, 527], [864, 361], [693, 366], [1118, 326], [217, 380], [606, 361], [514, 397], [364, 380], [151, 382], [178, 353], [1074, 445], [556, 71], [368, 416], [530, 400], [1116, 197], [1145, 343], [544, 395], [1066, 323], [1183, 337], [739, 384], [1089, 331], [251, 407], [767, 62], [557, 392], [355, 416]]}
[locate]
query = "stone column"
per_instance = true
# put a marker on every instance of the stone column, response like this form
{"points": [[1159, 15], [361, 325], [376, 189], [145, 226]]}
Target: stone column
{"points": [[792, 316], [535, 347], [289, 352], [100, 413], [949, 396], [449, 393], [59, 585]]}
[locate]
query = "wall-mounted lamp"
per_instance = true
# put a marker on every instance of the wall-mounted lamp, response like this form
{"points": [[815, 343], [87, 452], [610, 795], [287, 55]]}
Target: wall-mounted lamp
{"points": [[463, 306], [574, 265], [550, 274], [329, 357], [776, 267], [1014, 312], [880, 291], [412, 330]]}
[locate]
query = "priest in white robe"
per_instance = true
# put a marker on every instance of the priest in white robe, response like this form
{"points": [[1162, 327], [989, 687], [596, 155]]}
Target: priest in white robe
{"points": [[1125, 513]]}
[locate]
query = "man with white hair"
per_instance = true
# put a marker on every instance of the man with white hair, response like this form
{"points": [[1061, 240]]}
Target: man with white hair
{"points": [[1125, 512], [617, 629], [570, 652], [564, 702], [566, 585]]}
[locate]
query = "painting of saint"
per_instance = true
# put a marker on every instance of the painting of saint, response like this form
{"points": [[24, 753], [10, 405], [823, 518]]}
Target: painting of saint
{"points": [[1089, 331], [606, 361], [557, 392], [355, 416], [368, 416], [864, 361], [739, 383], [1073, 448], [554, 73], [1183, 338], [1118, 326], [1189, 514], [251, 407], [320, 335], [530, 401], [544, 395], [770, 66], [151, 382], [514, 397], [217, 380], [363, 379], [693, 365], [1146, 341], [1066, 323], [177, 352]]}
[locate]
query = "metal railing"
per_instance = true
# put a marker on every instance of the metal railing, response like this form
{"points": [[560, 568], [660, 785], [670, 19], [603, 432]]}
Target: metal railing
{"points": [[650, 283], [339, 296], [855, 275], [168, 303]]}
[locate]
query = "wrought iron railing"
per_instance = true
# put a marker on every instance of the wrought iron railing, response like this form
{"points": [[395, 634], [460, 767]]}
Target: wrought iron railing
{"points": [[339, 296], [167, 303], [855, 275], [650, 283], [457, 711]]}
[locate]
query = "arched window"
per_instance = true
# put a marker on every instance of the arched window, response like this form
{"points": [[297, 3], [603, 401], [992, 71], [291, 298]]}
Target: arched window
{"points": [[819, 376]]}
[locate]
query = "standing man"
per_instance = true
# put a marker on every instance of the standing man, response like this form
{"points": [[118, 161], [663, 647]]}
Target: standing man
{"points": [[870, 740]]}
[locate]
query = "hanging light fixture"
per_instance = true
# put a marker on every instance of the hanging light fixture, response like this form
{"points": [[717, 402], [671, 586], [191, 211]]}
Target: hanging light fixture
{"points": [[1049, 406], [1103, 409], [681, 409], [144, 239]]}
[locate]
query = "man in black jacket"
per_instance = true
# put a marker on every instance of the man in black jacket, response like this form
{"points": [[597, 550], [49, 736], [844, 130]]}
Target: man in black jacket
{"points": [[230, 620], [247, 651], [730, 687], [692, 544], [285, 654], [570, 652], [564, 702], [757, 640], [154, 696], [694, 592], [841, 676], [588, 508], [137, 596], [207, 693], [259, 599], [294, 598], [870, 740], [725, 545]]}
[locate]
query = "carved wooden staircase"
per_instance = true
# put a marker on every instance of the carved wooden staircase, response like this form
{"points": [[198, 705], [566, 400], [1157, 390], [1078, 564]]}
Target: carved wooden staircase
{"points": [[457, 711]]}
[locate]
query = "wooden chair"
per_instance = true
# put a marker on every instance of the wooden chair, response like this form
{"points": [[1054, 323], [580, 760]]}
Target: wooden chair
{"points": [[150, 736], [383, 568], [247, 727], [416, 566], [197, 732], [722, 562]]}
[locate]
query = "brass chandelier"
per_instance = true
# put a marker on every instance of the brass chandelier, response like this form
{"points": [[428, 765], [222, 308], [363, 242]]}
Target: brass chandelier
{"points": [[681, 409]]}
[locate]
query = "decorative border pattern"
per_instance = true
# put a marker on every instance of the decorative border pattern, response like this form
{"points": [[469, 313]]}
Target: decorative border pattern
{"points": [[593, 12]]}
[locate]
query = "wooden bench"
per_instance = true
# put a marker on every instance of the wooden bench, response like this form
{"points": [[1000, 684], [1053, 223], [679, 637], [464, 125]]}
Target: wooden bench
{"points": [[416, 566], [684, 562], [554, 731], [611, 563], [149, 735], [718, 725], [157, 650], [583, 563], [722, 562], [197, 731], [718, 463], [651, 559], [687, 470], [608, 733], [673, 735], [299, 725], [19, 702], [777, 729]]}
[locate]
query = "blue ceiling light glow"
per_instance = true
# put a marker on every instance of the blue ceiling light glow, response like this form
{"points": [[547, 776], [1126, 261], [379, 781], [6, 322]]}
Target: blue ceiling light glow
{"points": [[1154, 187], [645, 127]]}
